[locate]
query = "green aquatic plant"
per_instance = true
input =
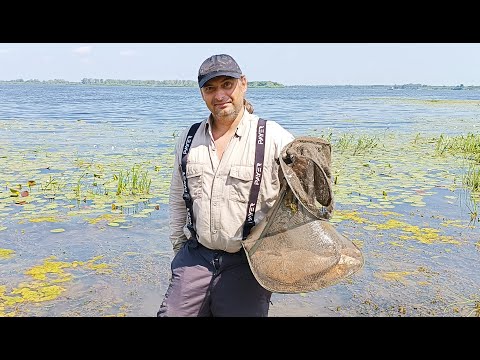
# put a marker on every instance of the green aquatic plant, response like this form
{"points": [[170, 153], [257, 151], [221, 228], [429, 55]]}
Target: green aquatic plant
{"points": [[325, 135], [344, 142], [470, 146], [472, 304], [364, 144], [467, 198], [134, 181], [417, 138], [328, 137], [442, 145], [467, 146], [474, 213], [77, 189], [52, 185], [471, 179], [356, 145], [31, 183]]}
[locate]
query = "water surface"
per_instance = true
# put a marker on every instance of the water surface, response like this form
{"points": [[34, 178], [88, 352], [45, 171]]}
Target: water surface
{"points": [[400, 202]]}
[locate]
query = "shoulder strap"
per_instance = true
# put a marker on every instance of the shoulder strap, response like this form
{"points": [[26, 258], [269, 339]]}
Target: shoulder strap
{"points": [[257, 177], [254, 190], [186, 194]]}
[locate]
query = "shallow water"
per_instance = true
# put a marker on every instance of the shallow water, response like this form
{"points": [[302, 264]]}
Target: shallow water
{"points": [[400, 202]]}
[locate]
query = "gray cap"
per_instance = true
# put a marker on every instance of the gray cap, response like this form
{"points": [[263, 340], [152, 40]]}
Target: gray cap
{"points": [[218, 65]]}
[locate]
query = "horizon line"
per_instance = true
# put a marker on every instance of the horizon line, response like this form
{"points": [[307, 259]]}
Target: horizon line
{"points": [[250, 81]]}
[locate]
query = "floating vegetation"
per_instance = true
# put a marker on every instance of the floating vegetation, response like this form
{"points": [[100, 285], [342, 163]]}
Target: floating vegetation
{"points": [[356, 145], [6, 253], [38, 219], [68, 181], [395, 275], [390, 174], [43, 285], [433, 102], [425, 235], [405, 191], [108, 218], [470, 306], [467, 147]]}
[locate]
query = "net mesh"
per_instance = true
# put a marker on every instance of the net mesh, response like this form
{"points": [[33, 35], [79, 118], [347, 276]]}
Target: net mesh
{"points": [[294, 248]]}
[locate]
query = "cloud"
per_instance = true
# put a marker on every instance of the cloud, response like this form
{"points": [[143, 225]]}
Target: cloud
{"points": [[83, 50], [5, 51]]}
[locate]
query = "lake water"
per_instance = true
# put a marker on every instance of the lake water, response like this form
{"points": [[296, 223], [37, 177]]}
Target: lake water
{"points": [[72, 247]]}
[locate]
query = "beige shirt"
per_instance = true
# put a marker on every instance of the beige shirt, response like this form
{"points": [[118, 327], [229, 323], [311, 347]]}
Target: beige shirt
{"points": [[220, 189]]}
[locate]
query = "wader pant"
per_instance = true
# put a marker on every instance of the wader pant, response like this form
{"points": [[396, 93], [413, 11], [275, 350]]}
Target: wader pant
{"points": [[208, 282]]}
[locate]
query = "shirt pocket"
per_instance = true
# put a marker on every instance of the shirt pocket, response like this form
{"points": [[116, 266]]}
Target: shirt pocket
{"points": [[195, 178], [240, 181]]}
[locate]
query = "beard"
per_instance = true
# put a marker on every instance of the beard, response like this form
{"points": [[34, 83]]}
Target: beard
{"points": [[229, 113]]}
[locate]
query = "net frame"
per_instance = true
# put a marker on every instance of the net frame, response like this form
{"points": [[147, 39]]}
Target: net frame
{"points": [[294, 248]]}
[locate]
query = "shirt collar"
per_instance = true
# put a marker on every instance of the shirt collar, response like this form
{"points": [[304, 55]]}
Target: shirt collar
{"points": [[242, 124]]}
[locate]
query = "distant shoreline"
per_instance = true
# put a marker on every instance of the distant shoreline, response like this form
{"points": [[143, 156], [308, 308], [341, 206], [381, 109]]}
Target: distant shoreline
{"points": [[193, 84], [116, 82]]}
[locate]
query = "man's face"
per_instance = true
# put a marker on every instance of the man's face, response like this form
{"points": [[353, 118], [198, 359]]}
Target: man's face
{"points": [[224, 96]]}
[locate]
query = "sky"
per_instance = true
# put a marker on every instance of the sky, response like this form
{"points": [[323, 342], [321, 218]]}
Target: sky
{"points": [[441, 64]]}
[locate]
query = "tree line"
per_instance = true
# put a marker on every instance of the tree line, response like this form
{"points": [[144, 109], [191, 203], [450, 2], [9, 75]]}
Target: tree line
{"points": [[116, 82]]}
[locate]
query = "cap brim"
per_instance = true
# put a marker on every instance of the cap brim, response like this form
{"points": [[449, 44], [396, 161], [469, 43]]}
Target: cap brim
{"points": [[207, 77]]}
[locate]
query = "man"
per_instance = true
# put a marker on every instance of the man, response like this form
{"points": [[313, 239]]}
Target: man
{"points": [[210, 272]]}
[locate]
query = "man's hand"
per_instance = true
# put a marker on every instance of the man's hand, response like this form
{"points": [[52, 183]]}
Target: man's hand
{"points": [[177, 247]]}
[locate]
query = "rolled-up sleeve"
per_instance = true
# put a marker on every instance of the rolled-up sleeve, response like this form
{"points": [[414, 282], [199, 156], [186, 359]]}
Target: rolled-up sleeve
{"points": [[282, 137]]}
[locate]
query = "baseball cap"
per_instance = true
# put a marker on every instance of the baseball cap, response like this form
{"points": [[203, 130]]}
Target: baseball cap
{"points": [[218, 65]]}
